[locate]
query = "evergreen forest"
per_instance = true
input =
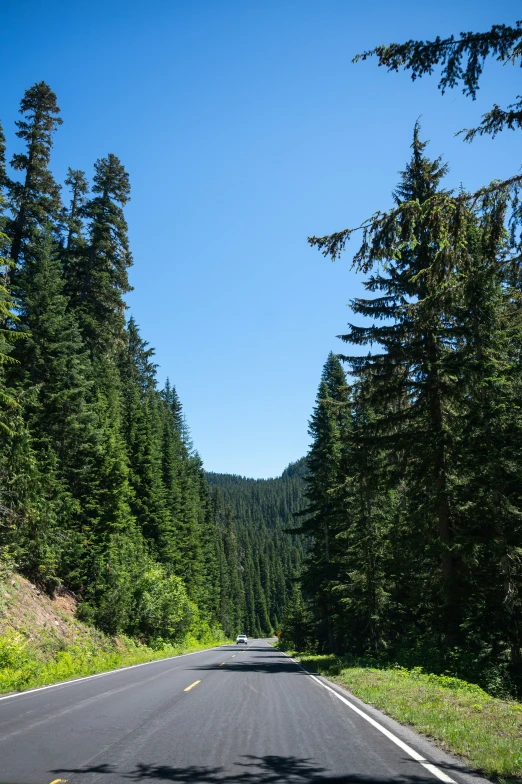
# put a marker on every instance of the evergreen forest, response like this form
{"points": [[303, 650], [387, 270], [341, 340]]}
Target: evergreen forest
{"points": [[414, 485], [256, 516], [101, 491]]}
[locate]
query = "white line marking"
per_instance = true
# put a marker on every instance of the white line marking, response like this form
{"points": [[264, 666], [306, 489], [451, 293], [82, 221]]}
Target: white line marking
{"points": [[102, 674], [404, 746]]}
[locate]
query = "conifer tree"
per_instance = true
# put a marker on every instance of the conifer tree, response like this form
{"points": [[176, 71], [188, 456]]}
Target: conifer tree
{"points": [[462, 60], [54, 363], [74, 240], [490, 453], [112, 494], [172, 457], [365, 573], [210, 587], [54, 358], [172, 400], [77, 182], [322, 515], [142, 426], [414, 370], [188, 534], [3, 173], [237, 599], [100, 280], [7, 305], [36, 200], [423, 249], [7, 336]]}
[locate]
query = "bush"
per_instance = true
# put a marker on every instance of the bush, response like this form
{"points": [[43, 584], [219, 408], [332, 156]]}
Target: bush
{"points": [[163, 608]]}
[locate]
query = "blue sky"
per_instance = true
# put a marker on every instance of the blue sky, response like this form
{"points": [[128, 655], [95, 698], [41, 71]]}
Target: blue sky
{"points": [[245, 128]]}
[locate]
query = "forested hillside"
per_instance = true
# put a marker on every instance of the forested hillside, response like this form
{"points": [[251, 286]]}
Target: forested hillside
{"points": [[100, 491], [255, 515]]}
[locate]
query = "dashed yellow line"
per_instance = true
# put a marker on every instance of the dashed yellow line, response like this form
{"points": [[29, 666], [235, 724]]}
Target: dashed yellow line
{"points": [[187, 689], [59, 781], [222, 663]]}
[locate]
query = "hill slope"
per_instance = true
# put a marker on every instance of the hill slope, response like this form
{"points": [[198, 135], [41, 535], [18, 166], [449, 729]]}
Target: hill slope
{"points": [[42, 641], [259, 555]]}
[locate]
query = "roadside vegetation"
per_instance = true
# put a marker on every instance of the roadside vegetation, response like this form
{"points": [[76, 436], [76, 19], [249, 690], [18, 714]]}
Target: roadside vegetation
{"points": [[461, 717], [42, 641], [26, 665]]}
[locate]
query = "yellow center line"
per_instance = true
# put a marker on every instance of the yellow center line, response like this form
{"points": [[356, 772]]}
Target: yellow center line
{"points": [[188, 688], [59, 781]]}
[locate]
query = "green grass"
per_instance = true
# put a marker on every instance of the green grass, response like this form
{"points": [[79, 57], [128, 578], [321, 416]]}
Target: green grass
{"points": [[460, 716], [26, 665]]}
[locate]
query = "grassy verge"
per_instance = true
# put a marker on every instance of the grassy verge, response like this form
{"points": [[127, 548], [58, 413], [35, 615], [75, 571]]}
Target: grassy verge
{"points": [[24, 665], [460, 716]]}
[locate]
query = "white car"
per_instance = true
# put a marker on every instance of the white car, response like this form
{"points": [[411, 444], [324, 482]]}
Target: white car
{"points": [[241, 639]]}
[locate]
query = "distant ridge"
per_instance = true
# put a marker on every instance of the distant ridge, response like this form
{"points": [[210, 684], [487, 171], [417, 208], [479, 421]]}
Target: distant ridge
{"points": [[254, 515]]}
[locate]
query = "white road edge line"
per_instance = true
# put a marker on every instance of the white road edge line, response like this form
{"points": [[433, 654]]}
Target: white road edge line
{"points": [[404, 746], [102, 674]]}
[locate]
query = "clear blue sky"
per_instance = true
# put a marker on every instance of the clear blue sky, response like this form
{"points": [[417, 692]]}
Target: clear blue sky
{"points": [[245, 128]]}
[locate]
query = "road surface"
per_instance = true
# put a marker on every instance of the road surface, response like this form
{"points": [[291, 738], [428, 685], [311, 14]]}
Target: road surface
{"points": [[230, 714]]}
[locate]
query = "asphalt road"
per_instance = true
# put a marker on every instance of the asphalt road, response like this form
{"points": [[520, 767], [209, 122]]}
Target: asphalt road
{"points": [[229, 714]]}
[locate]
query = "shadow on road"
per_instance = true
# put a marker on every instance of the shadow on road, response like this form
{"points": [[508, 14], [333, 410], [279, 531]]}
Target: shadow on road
{"points": [[258, 662], [265, 666], [264, 648], [268, 770]]}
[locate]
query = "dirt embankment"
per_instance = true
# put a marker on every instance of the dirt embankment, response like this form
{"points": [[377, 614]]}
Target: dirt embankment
{"points": [[26, 609]]}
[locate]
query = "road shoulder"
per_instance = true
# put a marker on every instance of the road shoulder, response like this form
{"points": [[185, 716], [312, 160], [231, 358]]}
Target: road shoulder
{"points": [[453, 766]]}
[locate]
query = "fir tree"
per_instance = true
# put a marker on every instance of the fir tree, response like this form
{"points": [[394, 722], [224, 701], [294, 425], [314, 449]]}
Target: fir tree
{"points": [[4, 180], [462, 61], [490, 438], [54, 363], [322, 515], [7, 337], [35, 201], [74, 238], [99, 279], [8, 317], [54, 359], [415, 370], [73, 216], [142, 431], [365, 568], [447, 284]]}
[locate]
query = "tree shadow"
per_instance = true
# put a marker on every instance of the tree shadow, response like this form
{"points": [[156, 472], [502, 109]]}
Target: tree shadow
{"points": [[270, 769], [267, 667], [258, 662]]}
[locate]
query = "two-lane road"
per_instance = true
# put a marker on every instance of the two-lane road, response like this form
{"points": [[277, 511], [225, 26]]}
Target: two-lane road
{"points": [[229, 714]]}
